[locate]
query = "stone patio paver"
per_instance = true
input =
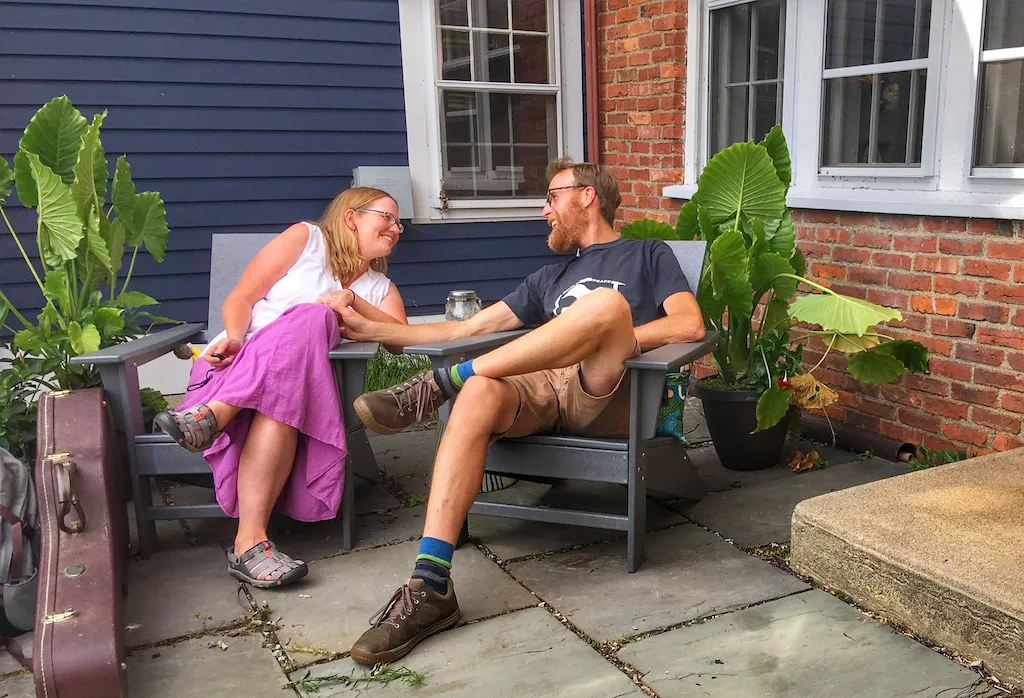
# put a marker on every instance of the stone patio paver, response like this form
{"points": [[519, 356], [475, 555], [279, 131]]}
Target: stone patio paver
{"points": [[761, 514], [18, 686], [322, 539], [177, 592], [689, 573], [343, 592], [527, 653], [194, 669], [809, 644], [512, 538]]}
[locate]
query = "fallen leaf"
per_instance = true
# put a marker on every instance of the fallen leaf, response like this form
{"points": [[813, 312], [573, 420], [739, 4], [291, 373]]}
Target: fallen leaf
{"points": [[304, 596], [133, 626], [799, 462], [809, 392]]}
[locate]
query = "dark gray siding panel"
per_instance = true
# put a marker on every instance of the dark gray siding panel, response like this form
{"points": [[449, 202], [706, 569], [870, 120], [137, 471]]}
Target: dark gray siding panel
{"points": [[246, 115]]}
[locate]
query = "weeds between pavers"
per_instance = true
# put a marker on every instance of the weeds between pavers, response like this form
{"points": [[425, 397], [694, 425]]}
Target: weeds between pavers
{"points": [[381, 673]]}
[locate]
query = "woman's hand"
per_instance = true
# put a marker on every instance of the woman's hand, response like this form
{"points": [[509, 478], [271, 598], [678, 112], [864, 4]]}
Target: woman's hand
{"points": [[337, 300], [222, 352]]}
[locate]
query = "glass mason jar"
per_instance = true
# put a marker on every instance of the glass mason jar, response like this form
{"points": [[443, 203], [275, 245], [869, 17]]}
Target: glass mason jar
{"points": [[462, 305]]}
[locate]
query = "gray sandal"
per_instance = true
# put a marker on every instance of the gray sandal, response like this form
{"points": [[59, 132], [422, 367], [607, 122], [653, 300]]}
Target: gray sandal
{"points": [[265, 567], [195, 429]]}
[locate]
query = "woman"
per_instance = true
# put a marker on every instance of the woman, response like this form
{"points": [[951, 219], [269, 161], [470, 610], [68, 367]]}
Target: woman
{"points": [[263, 405]]}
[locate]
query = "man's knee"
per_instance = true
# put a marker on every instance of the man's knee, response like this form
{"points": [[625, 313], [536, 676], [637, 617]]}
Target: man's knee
{"points": [[605, 306], [482, 401]]}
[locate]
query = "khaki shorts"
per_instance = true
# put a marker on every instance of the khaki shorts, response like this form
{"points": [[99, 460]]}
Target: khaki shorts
{"points": [[553, 401]]}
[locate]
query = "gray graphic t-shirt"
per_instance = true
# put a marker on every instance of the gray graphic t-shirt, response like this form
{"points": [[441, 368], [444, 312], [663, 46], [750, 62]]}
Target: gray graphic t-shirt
{"points": [[644, 271]]}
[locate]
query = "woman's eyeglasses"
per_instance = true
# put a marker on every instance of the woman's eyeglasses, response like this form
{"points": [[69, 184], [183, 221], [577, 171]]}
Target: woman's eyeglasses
{"points": [[390, 218]]}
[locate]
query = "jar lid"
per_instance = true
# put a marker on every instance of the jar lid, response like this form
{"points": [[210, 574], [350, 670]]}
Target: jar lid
{"points": [[463, 295]]}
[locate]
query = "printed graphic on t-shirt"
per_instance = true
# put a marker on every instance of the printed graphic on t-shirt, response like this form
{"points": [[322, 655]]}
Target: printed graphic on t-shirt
{"points": [[582, 288]]}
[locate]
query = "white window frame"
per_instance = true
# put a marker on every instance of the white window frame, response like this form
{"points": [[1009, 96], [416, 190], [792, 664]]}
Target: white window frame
{"points": [[423, 121], [946, 184]]}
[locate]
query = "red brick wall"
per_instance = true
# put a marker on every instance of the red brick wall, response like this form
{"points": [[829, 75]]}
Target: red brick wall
{"points": [[959, 283], [642, 65]]}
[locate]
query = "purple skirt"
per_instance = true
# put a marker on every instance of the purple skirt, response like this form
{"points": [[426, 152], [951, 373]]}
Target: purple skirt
{"points": [[284, 372]]}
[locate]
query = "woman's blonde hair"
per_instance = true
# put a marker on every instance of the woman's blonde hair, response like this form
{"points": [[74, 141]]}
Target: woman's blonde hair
{"points": [[342, 246]]}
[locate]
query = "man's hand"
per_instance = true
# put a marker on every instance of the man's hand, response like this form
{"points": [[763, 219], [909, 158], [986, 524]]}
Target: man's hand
{"points": [[356, 327], [337, 300]]}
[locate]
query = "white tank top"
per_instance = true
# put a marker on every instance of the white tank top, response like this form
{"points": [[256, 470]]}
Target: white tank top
{"points": [[305, 281]]}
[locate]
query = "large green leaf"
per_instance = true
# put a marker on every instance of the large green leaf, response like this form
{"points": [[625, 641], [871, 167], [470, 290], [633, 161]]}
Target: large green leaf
{"points": [[730, 275], [775, 143], [29, 340], [55, 135], [90, 183], [764, 274], [60, 228], [874, 368], [799, 262], [911, 354], [709, 232], [772, 406], [122, 192], [754, 228], [742, 179], [642, 229], [841, 314], [851, 343], [712, 308], [114, 234], [109, 321], [55, 288], [776, 316], [83, 339], [149, 225], [783, 241], [134, 299], [6, 179], [96, 246], [24, 182], [686, 224]]}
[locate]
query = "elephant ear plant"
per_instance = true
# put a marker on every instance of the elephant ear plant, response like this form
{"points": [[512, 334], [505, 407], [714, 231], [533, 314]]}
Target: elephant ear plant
{"points": [[61, 171], [750, 288]]}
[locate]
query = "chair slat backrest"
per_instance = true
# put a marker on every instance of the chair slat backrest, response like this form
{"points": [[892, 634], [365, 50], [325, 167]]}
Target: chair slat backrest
{"points": [[690, 254], [230, 255]]}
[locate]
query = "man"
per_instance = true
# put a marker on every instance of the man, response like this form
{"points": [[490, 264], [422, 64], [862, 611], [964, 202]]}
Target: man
{"points": [[606, 303]]}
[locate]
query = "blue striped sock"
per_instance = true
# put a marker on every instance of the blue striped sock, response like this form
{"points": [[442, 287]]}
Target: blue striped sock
{"points": [[436, 550], [461, 373], [433, 564]]}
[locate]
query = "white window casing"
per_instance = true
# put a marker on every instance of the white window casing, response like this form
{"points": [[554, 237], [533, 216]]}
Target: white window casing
{"points": [[945, 184], [420, 57]]}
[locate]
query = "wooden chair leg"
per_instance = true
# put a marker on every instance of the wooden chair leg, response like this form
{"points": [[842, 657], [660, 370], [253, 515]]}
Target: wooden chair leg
{"points": [[637, 507], [348, 510]]}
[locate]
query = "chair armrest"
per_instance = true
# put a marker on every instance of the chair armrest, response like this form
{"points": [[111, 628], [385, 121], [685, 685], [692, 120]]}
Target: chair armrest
{"points": [[671, 356], [144, 349], [466, 346], [354, 350]]}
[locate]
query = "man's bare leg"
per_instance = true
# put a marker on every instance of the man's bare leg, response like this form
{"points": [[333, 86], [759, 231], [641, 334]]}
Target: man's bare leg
{"points": [[597, 331]]}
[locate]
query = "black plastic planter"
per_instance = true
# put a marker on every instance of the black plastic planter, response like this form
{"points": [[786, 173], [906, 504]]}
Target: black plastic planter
{"points": [[731, 417]]}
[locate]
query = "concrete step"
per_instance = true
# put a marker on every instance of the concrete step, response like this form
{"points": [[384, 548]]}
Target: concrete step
{"points": [[940, 551]]}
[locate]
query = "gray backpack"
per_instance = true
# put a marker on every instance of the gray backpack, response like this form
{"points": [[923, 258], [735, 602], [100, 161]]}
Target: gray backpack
{"points": [[19, 546]]}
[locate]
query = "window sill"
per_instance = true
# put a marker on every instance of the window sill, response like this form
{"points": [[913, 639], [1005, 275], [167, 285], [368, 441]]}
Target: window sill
{"points": [[925, 203], [483, 212]]}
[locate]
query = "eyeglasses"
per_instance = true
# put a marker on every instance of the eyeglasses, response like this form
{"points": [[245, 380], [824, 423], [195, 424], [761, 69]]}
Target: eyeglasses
{"points": [[390, 218], [571, 186]]}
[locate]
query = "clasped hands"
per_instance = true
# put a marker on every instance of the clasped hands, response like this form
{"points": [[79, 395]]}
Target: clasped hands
{"points": [[352, 325]]}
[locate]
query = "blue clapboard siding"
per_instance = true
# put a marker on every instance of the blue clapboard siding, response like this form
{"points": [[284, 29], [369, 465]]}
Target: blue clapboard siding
{"points": [[246, 115]]}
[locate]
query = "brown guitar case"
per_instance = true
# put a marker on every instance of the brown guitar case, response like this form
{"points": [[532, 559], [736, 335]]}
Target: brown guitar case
{"points": [[79, 632]]}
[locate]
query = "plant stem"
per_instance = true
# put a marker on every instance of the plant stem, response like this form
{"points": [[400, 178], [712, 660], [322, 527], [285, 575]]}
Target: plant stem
{"points": [[14, 310], [824, 289], [24, 255], [131, 267], [823, 355]]}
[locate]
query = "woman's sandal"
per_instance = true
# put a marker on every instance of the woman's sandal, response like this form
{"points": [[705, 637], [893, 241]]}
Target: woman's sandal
{"points": [[265, 567], [194, 429]]}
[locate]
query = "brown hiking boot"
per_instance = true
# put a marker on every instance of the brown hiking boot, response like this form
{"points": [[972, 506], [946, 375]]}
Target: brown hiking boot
{"points": [[391, 410], [414, 613]]}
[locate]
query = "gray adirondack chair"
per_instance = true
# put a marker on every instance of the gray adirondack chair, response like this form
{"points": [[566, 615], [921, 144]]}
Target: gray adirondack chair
{"points": [[156, 455], [642, 462]]}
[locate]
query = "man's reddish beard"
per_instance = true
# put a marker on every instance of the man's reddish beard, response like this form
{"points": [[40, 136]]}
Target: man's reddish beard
{"points": [[565, 236]]}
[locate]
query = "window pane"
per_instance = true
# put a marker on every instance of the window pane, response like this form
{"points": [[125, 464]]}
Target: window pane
{"points": [[497, 145], [767, 21], [1001, 115], [454, 12], [454, 55], [491, 58], [1004, 24], [530, 15], [874, 119], [746, 59], [530, 53], [492, 14], [866, 32]]}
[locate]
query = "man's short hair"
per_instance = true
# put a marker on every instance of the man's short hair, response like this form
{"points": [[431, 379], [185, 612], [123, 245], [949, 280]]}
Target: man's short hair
{"points": [[596, 176]]}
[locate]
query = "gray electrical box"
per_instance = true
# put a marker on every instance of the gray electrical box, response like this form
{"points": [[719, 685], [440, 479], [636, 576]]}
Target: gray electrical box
{"points": [[393, 180]]}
